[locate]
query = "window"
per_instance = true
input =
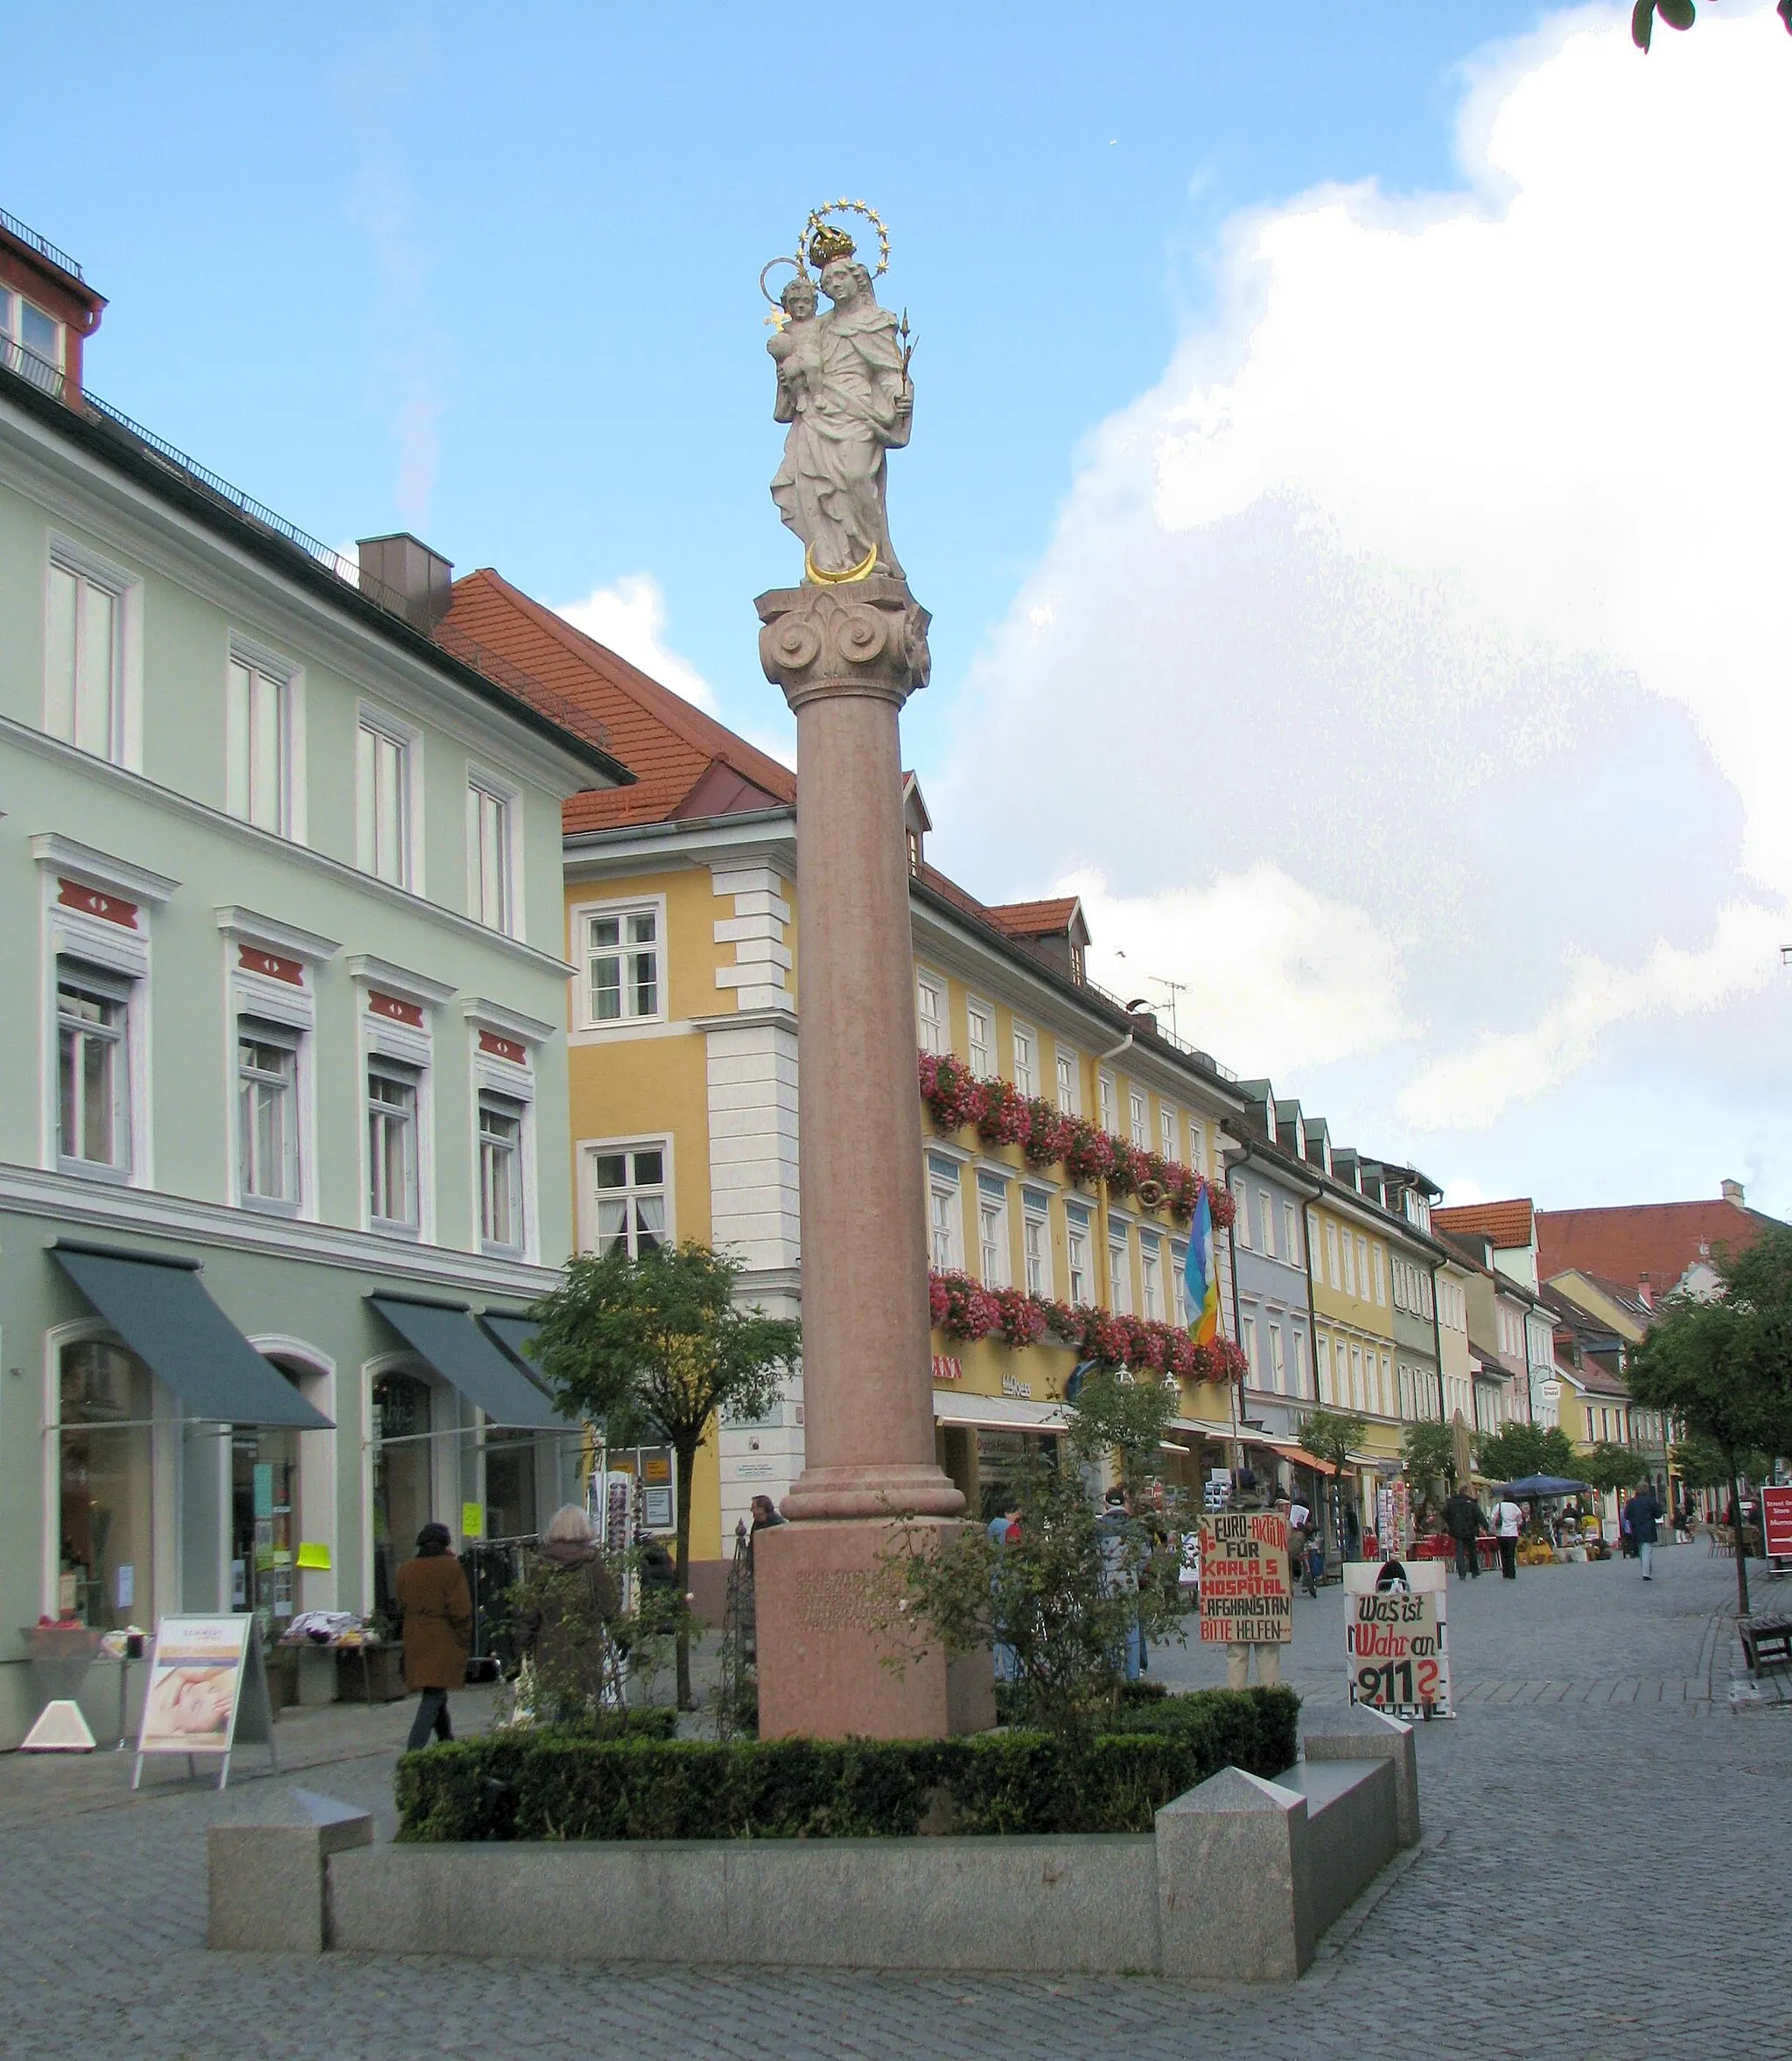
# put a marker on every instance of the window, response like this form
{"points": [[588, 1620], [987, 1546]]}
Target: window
{"points": [[944, 1217], [256, 715], [1138, 1112], [84, 681], [1036, 1241], [1387, 1387], [1278, 1365], [1360, 1286], [1119, 1272], [982, 1022], [1333, 1271], [1300, 1387], [1241, 1223], [1247, 1338], [630, 1184], [1357, 1398], [392, 1145], [1076, 1244], [1197, 1146], [383, 803], [1151, 1275], [501, 1173], [1380, 1282], [106, 1482], [930, 1014], [267, 1112], [488, 897], [1068, 1100], [622, 965], [1108, 1103], [30, 341], [992, 1230], [1266, 1221], [1026, 1074], [1166, 1131], [93, 1070], [1291, 1235]]}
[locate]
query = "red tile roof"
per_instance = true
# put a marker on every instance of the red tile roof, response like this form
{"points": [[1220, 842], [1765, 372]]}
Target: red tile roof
{"points": [[1507, 1223], [1033, 918], [1659, 1239], [679, 755]]}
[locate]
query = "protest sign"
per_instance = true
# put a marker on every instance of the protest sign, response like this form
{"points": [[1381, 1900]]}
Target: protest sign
{"points": [[1246, 1595], [209, 1690], [1398, 1639]]}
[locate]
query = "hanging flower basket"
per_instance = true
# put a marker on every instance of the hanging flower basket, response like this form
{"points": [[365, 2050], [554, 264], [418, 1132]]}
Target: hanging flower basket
{"points": [[1020, 1317], [1089, 1156], [953, 1096], [962, 1309], [1048, 1133], [1007, 1114]]}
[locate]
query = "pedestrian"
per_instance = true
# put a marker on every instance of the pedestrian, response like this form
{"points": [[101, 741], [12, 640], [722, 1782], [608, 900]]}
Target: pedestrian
{"points": [[1003, 1530], [1508, 1518], [1352, 1533], [1121, 1553], [569, 1603], [765, 1515], [1462, 1520], [1642, 1514], [438, 1614]]}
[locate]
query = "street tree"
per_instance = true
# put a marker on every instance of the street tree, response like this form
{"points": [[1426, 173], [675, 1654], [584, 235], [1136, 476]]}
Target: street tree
{"points": [[655, 1349], [1517, 1450], [1428, 1453], [1722, 1368], [1116, 1414], [1332, 1436], [1611, 1468]]}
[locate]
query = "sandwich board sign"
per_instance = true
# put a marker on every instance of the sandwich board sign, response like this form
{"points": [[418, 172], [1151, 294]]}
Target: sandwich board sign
{"points": [[1397, 1637], [207, 1692]]}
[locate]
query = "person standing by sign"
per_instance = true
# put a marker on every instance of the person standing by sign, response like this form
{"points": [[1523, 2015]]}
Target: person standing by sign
{"points": [[432, 1595], [1462, 1522], [1507, 1519], [1641, 1514], [1120, 1548]]}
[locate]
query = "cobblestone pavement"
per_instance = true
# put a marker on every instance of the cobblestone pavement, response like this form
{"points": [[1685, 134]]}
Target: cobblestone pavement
{"points": [[1601, 1875]]}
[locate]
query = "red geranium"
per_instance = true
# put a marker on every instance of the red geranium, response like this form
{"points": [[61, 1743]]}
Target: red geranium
{"points": [[1020, 1317], [1089, 1154], [1048, 1133], [953, 1095], [969, 1313], [1007, 1117]]}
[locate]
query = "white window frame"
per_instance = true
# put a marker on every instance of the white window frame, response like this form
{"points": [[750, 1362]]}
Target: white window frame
{"points": [[1026, 1059], [932, 1024], [485, 788], [1119, 1267], [1248, 1344], [1299, 1362], [1240, 1217], [110, 990], [14, 350], [266, 1031], [260, 957], [379, 725], [403, 1074], [945, 1216], [1138, 1118], [1381, 1279], [1150, 1277], [1066, 1070], [1079, 1229], [1278, 1362], [982, 1048], [507, 1070], [1291, 1233], [586, 914], [1107, 1102], [1334, 1271], [1168, 1131], [505, 1109], [995, 1259], [412, 1045], [592, 1149], [287, 680], [1266, 1224], [1036, 1240], [125, 742], [1198, 1145]]}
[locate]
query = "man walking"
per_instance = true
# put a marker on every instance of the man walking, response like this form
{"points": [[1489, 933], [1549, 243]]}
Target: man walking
{"points": [[1642, 1514], [1507, 1517], [1462, 1521]]}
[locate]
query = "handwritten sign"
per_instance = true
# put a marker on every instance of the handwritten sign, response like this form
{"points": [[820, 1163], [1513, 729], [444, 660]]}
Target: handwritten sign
{"points": [[1247, 1595], [1398, 1653]]}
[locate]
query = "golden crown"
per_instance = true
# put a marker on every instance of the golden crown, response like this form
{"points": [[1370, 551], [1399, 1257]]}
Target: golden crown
{"points": [[822, 242], [828, 243]]}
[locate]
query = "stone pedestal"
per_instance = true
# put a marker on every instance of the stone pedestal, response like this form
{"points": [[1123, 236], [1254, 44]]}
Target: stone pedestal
{"points": [[847, 657]]}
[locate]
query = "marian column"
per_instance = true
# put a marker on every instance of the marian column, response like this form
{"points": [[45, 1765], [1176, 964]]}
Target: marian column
{"points": [[848, 646]]}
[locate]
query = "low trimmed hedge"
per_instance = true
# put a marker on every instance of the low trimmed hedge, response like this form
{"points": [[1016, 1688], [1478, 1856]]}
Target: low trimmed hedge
{"points": [[557, 1786]]}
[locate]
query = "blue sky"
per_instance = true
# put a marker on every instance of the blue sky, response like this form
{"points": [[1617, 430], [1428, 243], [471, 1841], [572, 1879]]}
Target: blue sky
{"points": [[491, 276]]}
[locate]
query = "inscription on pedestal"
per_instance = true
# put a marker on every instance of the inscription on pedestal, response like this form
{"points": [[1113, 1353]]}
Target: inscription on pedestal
{"points": [[838, 1599]]}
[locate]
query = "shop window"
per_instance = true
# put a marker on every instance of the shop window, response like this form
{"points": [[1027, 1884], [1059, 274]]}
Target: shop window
{"points": [[93, 1058], [510, 1484], [265, 1522], [105, 1520], [630, 1195], [402, 1449]]}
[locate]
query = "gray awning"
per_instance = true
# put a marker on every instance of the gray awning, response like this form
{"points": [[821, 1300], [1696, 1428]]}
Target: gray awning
{"points": [[452, 1343], [513, 1333], [160, 1309]]}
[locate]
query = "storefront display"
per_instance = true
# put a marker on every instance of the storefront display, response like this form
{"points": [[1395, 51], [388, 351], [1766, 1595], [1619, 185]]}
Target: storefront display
{"points": [[105, 1477]]}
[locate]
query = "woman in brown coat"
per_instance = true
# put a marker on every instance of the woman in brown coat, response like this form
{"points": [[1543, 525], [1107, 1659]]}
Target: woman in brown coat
{"points": [[438, 1631]]}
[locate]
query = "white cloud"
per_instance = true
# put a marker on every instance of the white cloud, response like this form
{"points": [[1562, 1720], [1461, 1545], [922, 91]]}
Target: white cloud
{"points": [[629, 616], [1471, 1090], [1270, 970], [1440, 582]]}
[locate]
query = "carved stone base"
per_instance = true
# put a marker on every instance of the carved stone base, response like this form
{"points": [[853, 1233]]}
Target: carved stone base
{"points": [[818, 1590]]}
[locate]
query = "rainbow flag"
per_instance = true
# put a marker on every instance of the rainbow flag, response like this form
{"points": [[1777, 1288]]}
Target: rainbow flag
{"points": [[1201, 1273]]}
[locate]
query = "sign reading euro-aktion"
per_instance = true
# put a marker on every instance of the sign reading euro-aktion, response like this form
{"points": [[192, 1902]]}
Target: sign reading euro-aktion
{"points": [[1247, 1592]]}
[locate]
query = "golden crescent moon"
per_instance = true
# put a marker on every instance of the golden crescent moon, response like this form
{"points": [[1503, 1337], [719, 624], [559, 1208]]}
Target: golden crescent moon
{"points": [[862, 570]]}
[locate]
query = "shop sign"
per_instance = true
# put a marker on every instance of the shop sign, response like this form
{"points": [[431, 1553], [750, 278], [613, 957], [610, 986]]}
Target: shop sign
{"points": [[1550, 1392], [1013, 1386], [948, 1367], [1776, 1522], [1397, 1641], [207, 1692], [1247, 1592]]}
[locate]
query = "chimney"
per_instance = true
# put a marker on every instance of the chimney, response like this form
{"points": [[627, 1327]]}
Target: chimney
{"points": [[404, 575], [1732, 1192], [1645, 1294]]}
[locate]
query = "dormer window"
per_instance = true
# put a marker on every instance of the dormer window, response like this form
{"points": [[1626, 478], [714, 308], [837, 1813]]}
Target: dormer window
{"points": [[30, 341]]}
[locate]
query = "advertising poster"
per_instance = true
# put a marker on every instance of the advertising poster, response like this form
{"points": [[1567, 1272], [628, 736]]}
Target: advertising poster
{"points": [[1397, 1648], [1247, 1594], [207, 1690], [1776, 1522]]}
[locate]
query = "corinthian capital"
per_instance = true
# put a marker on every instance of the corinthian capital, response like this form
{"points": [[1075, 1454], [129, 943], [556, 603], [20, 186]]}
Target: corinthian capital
{"points": [[870, 638]]}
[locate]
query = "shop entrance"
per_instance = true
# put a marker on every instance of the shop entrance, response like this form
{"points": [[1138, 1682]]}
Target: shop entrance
{"points": [[264, 1524], [402, 1465]]}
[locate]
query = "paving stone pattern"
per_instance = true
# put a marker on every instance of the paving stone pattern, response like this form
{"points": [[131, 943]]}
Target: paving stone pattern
{"points": [[1603, 1873]]}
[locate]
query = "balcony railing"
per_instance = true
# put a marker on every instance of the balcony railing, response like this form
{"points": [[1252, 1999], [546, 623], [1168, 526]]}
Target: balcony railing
{"points": [[42, 245], [52, 380]]}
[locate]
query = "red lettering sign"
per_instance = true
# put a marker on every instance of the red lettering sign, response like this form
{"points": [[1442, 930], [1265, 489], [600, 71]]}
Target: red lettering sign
{"points": [[91, 903], [947, 1368]]}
